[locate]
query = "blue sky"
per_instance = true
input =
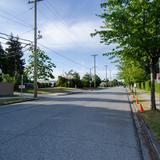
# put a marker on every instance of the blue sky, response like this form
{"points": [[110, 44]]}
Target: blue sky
{"points": [[65, 27]]}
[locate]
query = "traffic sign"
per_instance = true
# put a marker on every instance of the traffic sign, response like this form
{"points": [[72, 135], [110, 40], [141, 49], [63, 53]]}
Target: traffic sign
{"points": [[21, 86]]}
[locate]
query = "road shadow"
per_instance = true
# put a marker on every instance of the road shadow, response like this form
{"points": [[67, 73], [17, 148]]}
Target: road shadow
{"points": [[82, 99], [107, 93]]}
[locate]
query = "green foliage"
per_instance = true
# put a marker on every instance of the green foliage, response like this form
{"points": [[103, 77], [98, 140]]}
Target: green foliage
{"points": [[138, 85], [11, 61], [98, 81], [157, 87], [2, 60], [61, 82], [44, 85], [44, 66], [115, 82], [131, 71], [143, 85], [134, 26], [8, 78], [73, 79], [147, 85], [14, 64], [87, 80]]}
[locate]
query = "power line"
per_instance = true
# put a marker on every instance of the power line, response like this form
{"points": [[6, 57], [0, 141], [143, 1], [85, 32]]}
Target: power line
{"points": [[67, 58], [18, 14], [16, 37], [15, 20], [19, 41], [12, 55], [31, 30]]}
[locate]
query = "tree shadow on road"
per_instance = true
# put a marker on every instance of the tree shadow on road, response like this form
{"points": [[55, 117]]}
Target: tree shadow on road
{"points": [[83, 99]]}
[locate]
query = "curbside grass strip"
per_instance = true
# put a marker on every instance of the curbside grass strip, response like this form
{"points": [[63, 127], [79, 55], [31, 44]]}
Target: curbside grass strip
{"points": [[139, 143], [18, 101], [151, 137], [145, 135]]}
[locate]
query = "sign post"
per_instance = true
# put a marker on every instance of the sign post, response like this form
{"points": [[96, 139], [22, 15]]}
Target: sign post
{"points": [[21, 86]]}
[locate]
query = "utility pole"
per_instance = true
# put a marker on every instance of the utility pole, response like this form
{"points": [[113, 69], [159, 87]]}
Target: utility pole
{"points": [[35, 45], [90, 80], [110, 78], [94, 56], [106, 74]]}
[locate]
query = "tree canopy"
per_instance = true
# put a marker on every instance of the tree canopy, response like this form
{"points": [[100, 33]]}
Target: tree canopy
{"points": [[44, 66], [134, 26], [13, 57]]}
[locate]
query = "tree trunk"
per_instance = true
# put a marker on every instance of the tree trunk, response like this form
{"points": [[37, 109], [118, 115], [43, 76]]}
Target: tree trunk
{"points": [[153, 75]]}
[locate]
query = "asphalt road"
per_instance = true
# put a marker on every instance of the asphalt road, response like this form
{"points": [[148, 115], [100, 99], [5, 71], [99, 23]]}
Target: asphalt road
{"points": [[89, 126]]}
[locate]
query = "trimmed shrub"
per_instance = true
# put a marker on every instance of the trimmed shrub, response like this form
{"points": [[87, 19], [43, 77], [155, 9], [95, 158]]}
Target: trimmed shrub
{"points": [[157, 87], [147, 85]]}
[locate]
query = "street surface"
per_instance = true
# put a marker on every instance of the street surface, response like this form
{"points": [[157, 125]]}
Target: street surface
{"points": [[95, 125]]}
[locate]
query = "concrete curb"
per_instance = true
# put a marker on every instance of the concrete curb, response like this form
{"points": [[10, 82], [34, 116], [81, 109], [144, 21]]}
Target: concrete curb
{"points": [[139, 142], [151, 137], [146, 138]]}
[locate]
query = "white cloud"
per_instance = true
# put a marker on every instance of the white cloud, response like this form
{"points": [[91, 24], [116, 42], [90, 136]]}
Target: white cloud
{"points": [[59, 35]]}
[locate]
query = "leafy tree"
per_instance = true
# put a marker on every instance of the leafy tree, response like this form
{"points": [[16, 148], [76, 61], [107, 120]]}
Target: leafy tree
{"points": [[15, 62], [98, 80], [61, 82], [131, 71], [115, 82], [76, 80], [44, 66], [73, 78], [8, 78], [2, 60], [87, 80], [135, 27]]}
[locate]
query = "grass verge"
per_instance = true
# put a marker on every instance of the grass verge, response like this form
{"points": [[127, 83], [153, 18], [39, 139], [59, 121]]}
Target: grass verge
{"points": [[51, 90], [5, 101], [151, 117]]}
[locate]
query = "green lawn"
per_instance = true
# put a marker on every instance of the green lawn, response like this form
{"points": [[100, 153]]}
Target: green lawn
{"points": [[152, 118], [11, 100], [51, 90]]}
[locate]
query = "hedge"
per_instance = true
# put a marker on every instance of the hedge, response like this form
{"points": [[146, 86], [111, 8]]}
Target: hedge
{"points": [[147, 86]]}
